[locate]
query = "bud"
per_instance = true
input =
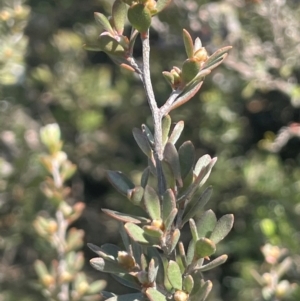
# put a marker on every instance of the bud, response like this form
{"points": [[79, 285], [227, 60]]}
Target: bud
{"points": [[181, 296], [140, 17], [126, 260], [158, 223]]}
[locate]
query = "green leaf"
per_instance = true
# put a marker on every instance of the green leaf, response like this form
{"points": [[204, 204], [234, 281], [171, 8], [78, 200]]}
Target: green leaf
{"points": [[204, 247], [142, 142], [199, 181], [106, 266], [152, 203], [148, 134], [178, 128], [111, 46], [153, 231], [213, 264], [189, 91], [190, 252], [216, 56], [188, 43], [154, 295], [127, 280], [202, 291], [193, 230], [119, 181], [188, 283], [170, 219], [174, 275], [152, 270], [172, 158], [182, 254], [222, 228], [103, 22], [174, 240], [166, 124], [126, 218], [128, 297], [168, 203], [112, 255], [206, 223], [197, 204], [136, 233], [124, 236], [169, 176], [119, 13], [136, 195], [186, 154], [154, 253], [145, 177]]}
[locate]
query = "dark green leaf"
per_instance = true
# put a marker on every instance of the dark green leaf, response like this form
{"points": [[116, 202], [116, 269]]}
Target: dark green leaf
{"points": [[100, 252], [197, 204], [172, 158], [152, 203], [168, 203], [106, 266], [128, 280], [186, 154], [119, 181], [128, 297], [169, 176], [126, 218], [142, 142], [148, 134], [145, 177]]}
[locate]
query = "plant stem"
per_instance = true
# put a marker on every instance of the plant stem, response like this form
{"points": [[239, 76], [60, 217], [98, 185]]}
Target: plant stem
{"points": [[156, 115]]}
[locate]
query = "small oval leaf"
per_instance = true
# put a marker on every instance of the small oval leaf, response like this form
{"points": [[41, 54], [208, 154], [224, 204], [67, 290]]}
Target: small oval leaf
{"points": [[223, 227], [174, 275]]}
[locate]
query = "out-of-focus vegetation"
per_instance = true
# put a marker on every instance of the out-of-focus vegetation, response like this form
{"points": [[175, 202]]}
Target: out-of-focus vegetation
{"points": [[47, 77]]}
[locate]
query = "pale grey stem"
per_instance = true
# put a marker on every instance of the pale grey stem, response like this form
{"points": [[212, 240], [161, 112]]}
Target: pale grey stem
{"points": [[156, 115]]}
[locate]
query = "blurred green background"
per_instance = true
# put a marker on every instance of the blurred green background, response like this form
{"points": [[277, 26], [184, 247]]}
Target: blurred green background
{"points": [[46, 77]]}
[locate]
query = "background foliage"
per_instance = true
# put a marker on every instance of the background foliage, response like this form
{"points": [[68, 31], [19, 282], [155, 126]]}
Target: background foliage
{"points": [[46, 77]]}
